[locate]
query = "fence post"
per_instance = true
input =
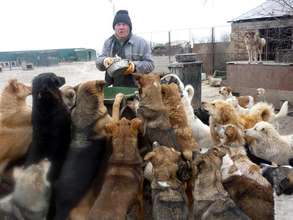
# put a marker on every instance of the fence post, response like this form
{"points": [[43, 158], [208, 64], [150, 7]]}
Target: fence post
{"points": [[213, 50], [169, 45]]}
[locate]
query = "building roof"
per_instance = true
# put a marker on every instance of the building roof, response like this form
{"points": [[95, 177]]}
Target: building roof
{"points": [[268, 9]]}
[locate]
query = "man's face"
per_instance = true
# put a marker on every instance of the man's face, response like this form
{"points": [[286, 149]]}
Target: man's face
{"points": [[121, 30]]}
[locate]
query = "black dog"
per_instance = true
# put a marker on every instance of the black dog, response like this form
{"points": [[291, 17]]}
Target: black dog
{"points": [[88, 153], [51, 124]]}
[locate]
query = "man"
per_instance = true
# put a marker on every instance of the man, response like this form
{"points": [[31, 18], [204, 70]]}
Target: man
{"points": [[127, 46]]}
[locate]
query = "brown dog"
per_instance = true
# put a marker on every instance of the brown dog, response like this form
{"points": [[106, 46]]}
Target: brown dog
{"points": [[121, 194], [15, 122], [178, 119], [154, 114], [169, 200], [253, 199], [211, 200], [254, 45]]}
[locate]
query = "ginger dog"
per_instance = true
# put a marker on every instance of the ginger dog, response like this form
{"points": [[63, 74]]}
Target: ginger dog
{"points": [[15, 122], [168, 196], [178, 119], [121, 193]]}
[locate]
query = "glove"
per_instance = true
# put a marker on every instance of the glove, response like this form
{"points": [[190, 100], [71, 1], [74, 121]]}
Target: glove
{"points": [[130, 69], [107, 62]]}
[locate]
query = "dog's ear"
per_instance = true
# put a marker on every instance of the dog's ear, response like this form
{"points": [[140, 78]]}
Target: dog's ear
{"points": [[100, 84], [218, 152], [61, 81], [149, 156], [229, 89], [110, 127], [13, 86], [135, 124], [138, 77], [76, 87]]}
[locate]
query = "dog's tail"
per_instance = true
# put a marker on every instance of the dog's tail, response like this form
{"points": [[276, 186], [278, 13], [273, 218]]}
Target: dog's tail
{"points": [[190, 91], [283, 111], [179, 82], [264, 110]]}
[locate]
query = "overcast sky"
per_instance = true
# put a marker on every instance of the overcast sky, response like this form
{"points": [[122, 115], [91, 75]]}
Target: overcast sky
{"points": [[51, 24]]}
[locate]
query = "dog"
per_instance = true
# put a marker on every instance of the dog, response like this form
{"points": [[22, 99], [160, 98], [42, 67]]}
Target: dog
{"points": [[121, 193], [281, 178], [178, 119], [51, 124], [200, 131], [254, 46], [168, 197], [89, 150], [15, 122], [69, 96], [222, 112], [243, 101], [232, 141], [269, 144], [255, 200], [30, 198], [211, 200], [153, 113]]}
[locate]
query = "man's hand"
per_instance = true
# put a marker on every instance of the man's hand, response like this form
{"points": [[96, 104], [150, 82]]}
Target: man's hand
{"points": [[130, 69], [107, 62]]}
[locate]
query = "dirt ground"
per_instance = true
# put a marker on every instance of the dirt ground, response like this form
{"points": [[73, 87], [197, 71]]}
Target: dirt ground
{"points": [[75, 73]]}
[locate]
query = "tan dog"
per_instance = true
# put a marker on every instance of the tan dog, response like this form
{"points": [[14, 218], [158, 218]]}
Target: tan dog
{"points": [[268, 144], [233, 144], [121, 193], [31, 195], [221, 112], [178, 119], [168, 197], [15, 122], [254, 46], [68, 96], [156, 124], [211, 200]]}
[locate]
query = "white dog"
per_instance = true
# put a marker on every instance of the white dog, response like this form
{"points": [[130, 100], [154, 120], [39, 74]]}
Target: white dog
{"points": [[269, 144], [200, 131]]}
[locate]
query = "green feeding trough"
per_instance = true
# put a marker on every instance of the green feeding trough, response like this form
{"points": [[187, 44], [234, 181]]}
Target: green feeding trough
{"points": [[110, 93]]}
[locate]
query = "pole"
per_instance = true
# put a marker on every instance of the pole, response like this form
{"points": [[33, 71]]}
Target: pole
{"points": [[169, 45]]}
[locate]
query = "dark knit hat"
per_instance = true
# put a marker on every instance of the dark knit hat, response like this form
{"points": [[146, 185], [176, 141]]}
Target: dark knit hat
{"points": [[122, 17]]}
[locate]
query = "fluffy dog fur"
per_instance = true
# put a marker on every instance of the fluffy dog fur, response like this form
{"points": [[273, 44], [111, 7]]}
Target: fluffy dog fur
{"points": [[200, 131], [178, 119], [68, 96], [30, 198], [254, 200], [88, 153], [269, 144], [168, 196], [222, 113], [121, 194], [211, 200], [15, 122], [51, 123], [233, 142], [254, 46]]}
